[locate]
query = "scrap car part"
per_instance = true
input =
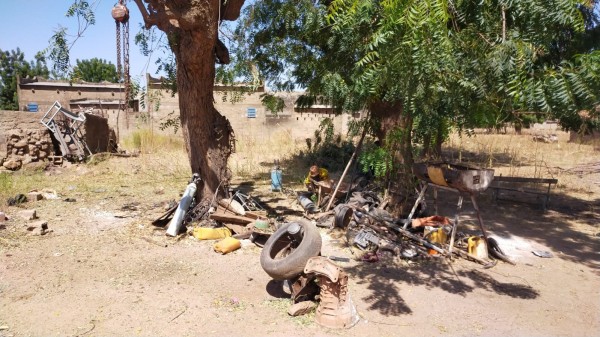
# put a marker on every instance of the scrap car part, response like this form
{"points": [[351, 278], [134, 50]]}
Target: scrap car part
{"points": [[336, 309], [286, 252]]}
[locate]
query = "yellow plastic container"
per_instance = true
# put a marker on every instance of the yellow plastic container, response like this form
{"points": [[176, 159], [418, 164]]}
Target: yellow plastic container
{"points": [[227, 245], [202, 233], [477, 247], [436, 236], [439, 236]]}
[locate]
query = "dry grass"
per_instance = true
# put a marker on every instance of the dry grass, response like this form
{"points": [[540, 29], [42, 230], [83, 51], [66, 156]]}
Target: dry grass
{"points": [[150, 141], [255, 156], [160, 172], [518, 155], [162, 166]]}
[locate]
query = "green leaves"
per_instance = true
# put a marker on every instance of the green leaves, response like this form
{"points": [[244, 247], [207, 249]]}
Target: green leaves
{"points": [[13, 63], [95, 70]]}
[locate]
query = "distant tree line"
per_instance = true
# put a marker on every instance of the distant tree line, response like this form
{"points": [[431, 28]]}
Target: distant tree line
{"points": [[14, 64]]}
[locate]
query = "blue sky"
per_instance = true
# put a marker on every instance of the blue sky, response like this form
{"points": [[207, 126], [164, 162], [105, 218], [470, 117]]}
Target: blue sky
{"points": [[29, 24]]}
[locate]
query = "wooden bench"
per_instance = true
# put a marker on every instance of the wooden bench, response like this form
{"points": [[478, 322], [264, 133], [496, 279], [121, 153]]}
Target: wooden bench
{"points": [[535, 186]]}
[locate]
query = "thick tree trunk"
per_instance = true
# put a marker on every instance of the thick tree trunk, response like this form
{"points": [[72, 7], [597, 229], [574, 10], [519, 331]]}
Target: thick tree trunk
{"points": [[192, 30], [395, 133], [206, 132]]}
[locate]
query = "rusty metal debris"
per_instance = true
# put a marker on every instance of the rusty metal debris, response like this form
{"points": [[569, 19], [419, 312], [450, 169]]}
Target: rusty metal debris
{"points": [[371, 229], [336, 309], [66, 126]]}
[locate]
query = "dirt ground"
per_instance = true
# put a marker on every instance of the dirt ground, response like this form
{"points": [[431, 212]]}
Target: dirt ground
{"points": [[105, 271]]}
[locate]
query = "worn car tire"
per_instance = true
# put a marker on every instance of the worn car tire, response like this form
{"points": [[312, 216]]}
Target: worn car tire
{"points": [[292, 263]]}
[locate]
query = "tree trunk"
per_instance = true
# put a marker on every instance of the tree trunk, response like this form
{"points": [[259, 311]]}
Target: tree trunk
{"points": [[439, 140], [192, 30], [206, 132], [395, 134]]}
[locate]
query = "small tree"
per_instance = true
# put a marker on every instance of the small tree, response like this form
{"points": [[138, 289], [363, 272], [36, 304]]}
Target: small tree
{"points": [[12, 63], [95, 70]]}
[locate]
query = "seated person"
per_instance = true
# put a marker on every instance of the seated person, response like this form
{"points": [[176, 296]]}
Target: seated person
{"points": [[316, 174]]}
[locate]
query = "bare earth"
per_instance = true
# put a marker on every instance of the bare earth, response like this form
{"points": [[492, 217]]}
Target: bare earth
{"points": [[105, 271]]}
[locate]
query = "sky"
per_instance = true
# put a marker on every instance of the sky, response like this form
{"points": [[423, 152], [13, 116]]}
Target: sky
{"points": [[29, 24]]}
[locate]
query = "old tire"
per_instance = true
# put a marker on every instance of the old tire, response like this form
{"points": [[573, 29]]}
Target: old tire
{"points": [[284, 259]]}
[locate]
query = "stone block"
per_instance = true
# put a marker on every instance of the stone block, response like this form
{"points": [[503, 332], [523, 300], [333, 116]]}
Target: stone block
{"points": [[21, 144], [28, 214], [13, 134], [12, 164], [41, 224], [3, 217], [301, 308], [35, 196], [26, 159]]}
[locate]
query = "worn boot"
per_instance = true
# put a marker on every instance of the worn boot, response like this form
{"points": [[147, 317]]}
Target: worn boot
{"points": [[336, 309]]}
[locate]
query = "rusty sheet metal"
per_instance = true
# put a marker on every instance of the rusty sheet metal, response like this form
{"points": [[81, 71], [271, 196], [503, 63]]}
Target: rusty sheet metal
{"points": [[462, 178]]}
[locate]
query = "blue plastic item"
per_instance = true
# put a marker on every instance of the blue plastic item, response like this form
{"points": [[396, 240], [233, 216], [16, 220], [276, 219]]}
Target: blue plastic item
{"points": [[32, 107], [276, 179]]}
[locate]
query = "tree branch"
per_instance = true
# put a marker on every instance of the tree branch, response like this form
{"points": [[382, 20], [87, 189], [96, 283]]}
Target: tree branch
{"points": [[222, 52], [230, 9], [148, 20], [503, 24]]}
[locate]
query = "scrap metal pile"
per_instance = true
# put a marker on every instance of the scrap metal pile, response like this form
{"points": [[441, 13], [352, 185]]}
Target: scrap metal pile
{"points": [[371, 230], [291, 250]]}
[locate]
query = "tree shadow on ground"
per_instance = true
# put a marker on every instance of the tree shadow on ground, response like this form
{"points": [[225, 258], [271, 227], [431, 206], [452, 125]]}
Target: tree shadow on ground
{"points": [[558, 227], [384, 280]]}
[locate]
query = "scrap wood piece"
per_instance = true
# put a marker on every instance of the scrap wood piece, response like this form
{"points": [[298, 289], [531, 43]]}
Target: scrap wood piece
{"points": [[164, 219], [424, 242], [233, 206], [228, 217], [256, 215], [409, 235], [238, 229], [486, 263]]}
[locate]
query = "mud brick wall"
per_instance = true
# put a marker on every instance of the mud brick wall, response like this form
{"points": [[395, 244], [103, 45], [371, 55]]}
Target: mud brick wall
{"points": [[23, 139], [98, 136], [299, 125]]}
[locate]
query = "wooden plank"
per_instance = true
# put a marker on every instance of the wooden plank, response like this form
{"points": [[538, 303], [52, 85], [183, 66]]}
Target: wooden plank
{"points": [[238, 229], [228, 217], [519, 190], [524, 180], [256, 214]]}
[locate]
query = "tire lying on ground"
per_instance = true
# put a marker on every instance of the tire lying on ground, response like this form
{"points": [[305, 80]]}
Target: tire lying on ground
{"points": [[284, 258]]}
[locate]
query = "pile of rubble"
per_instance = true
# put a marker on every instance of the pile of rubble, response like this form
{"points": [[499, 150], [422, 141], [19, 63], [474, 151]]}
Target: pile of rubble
{"points": [[24, 147]]}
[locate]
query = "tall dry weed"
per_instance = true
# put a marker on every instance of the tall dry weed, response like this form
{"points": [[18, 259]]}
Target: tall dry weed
{"points": [[256, 155]]}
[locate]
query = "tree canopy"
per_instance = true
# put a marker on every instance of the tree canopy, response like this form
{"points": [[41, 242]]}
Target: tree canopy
{"points": [[95, 70], [460, 64], [13, 63]]}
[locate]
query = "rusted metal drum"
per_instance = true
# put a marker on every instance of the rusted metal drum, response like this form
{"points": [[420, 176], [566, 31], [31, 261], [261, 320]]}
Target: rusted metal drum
{"points": [[120, 13]]}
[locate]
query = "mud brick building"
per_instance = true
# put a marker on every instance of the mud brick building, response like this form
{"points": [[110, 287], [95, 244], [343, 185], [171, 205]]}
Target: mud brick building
{"points": [[23, 138]]}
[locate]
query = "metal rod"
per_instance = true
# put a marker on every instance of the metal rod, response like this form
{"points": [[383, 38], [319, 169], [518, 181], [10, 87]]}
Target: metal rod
{"points": [[455, 225], [479, 217], [414, 209], [337, 187]]}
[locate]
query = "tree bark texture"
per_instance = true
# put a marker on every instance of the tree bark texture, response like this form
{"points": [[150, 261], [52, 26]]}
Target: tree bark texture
{"points": [[192, 30]]}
